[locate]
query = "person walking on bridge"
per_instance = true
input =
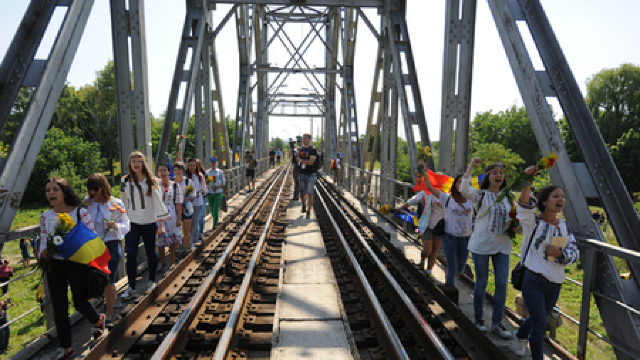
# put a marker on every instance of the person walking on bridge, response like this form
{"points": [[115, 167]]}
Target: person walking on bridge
{"points": [[307, 158], [488, 242], [553, 248], [216, 186], [296, 167]]}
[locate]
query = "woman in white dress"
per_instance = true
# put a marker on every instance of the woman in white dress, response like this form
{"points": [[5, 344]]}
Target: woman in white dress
{"points": [[173, 200]]}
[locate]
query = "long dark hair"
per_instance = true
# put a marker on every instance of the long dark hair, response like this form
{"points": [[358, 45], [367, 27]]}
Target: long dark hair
{"points": [[484, 184], [199, 173], [151, 180], [70, 196], [543, 195], [454, 189]]}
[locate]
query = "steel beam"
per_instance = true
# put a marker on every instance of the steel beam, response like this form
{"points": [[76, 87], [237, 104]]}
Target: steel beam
{"points": [[618, 321], [184, 77], [329, 3], [351, 136], [372, 135], [28, 140], [262, 115], [19, 57], [457, 69], [389, 128], [220, 134], [332, 34], [128, 26], [243, 32]]}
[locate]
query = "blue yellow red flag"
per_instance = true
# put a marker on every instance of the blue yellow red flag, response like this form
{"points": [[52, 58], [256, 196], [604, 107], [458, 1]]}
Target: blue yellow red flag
{"points": [[83, 246]]}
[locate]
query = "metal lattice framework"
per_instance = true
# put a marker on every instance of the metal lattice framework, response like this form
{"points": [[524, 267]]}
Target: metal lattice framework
{"points": [[395, 97]]}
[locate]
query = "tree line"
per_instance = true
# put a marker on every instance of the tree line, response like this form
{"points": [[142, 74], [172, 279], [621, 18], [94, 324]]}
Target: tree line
{"points": [[80, 140]]}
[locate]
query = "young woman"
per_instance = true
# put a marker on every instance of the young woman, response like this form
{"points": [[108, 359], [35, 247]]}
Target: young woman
{"points": [[432, 213], [64, 274], [544, 264], [143, 202], [187, 208], [173, 200], [196, 176], [111, 225], [457, 213], [216, 187], [489, 243]]}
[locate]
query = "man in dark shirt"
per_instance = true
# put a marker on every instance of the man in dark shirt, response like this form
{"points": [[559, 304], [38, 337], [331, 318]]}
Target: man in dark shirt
{"points": [[307, 158], [251, 170], [272, 157]]}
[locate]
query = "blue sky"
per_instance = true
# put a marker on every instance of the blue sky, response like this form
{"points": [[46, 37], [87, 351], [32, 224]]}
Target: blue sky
{"points": [[594, 34]]}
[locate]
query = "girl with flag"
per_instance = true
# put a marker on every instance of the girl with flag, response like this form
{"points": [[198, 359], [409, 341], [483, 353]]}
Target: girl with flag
{"points": [[142, 198], [457, 227], [189, 194], [111, 223], [62, 273], [173, 200], [431, 214], [489, 242]]}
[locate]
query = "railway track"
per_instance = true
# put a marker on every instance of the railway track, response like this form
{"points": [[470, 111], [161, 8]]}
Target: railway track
{"points": [[394, 311], [219, 302]]}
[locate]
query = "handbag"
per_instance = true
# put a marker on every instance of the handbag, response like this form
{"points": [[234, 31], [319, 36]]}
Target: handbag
{"points": [[96, 282], [517, 274]]}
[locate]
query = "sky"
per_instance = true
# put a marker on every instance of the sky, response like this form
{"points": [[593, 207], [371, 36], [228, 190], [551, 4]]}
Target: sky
{"points": [[594, 35]]}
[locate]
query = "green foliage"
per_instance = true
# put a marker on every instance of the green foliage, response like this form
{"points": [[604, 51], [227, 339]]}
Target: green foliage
{"points": [[511, 128], [69, 155], [277, 144], [68, 172], [613, 95], [493, 153], [625, 154]]}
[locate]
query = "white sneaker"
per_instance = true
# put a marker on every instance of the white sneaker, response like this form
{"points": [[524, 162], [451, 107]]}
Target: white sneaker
{"points": [[481, 326], [501, 331], [519, 345], [151, 285], [128, 294]]}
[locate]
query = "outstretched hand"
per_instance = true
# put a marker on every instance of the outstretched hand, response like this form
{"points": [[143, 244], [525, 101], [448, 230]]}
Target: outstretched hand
{"points": [[531, 170]]}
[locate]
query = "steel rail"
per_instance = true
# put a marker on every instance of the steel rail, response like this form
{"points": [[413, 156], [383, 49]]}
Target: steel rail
{"points": [[112, 343], [164, 350], [426, 328], [225, 340], [392, 336]]}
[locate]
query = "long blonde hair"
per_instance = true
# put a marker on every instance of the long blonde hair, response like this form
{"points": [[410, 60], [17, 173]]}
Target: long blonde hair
{"points": [[151, 180]]}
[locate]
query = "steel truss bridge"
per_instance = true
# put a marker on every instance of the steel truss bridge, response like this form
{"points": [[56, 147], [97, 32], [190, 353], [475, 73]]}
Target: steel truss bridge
{"points": [[395, 96]]}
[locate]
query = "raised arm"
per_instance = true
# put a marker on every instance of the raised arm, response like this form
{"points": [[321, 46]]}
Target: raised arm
{"points": [[430, 187], [526, 191]]}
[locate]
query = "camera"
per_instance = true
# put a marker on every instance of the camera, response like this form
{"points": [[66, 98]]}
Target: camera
{"points": [[292, 143]]}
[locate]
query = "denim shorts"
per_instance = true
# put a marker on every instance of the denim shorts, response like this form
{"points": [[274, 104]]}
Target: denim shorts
{"points": [[307, 183]]}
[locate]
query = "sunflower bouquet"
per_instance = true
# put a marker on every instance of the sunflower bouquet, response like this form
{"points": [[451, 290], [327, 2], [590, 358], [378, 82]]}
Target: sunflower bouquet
{"points": [[385, 210], [188, 190], [63, 227], [547, 162]]}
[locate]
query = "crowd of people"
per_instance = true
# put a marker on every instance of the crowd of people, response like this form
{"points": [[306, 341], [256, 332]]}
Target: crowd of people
{"points": [[473, 220], [165, 211]]}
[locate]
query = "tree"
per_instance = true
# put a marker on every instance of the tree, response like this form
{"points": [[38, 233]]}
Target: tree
{"points": [[625, 154], [493, 153], [61, 153], [511, 128], [613, 96], [277, 143]]}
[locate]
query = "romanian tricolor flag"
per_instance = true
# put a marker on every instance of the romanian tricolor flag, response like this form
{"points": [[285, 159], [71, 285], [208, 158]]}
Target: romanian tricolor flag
{"points": [[442, 182], [83, 246], [408, 216]]}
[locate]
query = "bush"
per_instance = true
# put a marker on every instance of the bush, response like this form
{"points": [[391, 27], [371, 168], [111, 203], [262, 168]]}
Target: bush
{"points": [[69, 157]]}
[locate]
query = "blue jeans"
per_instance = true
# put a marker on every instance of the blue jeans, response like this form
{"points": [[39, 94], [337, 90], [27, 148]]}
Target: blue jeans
{"points": [[132, 239], [195, 224], [116, 254], [307, 183], [540, 296], [501, 269], [456, 253]]}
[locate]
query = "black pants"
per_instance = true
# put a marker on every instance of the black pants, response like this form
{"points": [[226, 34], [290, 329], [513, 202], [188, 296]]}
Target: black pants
{"points": [[5, 288], [296, 182], [131, 241], [64, 274]]}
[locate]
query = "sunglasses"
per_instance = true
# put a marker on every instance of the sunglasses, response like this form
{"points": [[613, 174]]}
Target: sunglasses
{"points": [[97, 188]]}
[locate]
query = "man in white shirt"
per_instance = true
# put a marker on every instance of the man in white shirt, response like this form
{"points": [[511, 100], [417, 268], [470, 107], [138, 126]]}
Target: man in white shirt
{"points": [[216, 182]]}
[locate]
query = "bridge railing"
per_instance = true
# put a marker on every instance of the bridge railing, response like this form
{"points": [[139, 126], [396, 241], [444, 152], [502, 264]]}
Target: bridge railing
{"points": [[366, 185]]}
